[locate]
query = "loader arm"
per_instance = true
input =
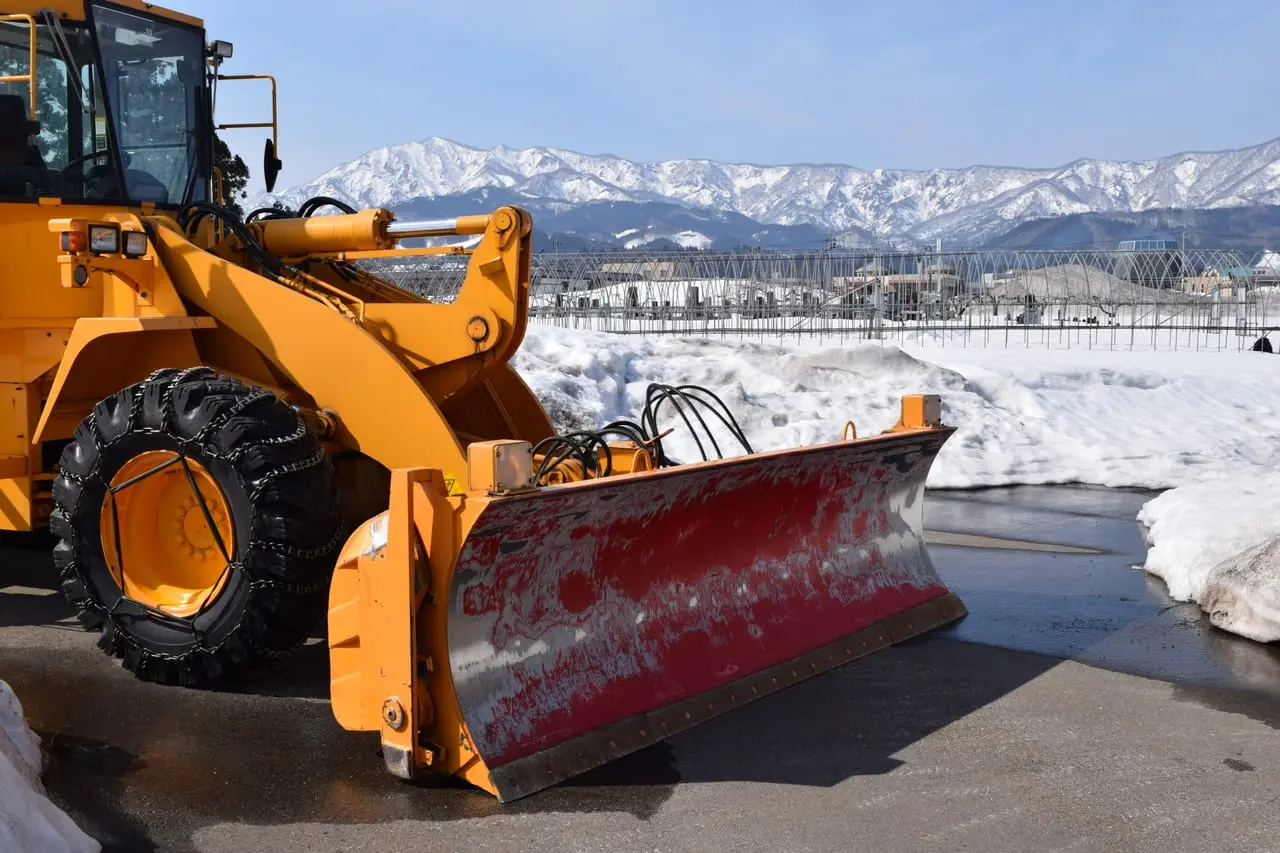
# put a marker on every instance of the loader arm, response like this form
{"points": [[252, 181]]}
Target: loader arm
{"points": [[384, 369], [451, 347]]}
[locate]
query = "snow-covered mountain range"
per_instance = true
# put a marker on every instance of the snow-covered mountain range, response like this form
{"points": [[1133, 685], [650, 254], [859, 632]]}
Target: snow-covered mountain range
{"points": [[966, 206]]}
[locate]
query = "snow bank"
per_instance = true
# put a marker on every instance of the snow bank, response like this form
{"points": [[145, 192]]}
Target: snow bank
{"points": [[1218, 544], [1153, 420], [1204, 422], [28, 820]]}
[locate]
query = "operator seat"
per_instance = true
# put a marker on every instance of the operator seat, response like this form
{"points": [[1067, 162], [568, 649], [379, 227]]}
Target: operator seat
{"points": [[21, 175]]}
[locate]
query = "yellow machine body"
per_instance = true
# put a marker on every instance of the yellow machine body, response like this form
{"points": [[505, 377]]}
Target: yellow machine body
{"points": [[65, 346]]}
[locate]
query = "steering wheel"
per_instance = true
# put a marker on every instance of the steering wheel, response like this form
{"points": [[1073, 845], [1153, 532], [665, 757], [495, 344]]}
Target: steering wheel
{"points": [[126, 159], [99, 180], [76, 161]]}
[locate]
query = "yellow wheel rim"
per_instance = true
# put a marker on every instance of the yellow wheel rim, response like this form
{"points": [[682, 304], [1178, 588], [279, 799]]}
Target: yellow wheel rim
{"points": [[168, 557]]}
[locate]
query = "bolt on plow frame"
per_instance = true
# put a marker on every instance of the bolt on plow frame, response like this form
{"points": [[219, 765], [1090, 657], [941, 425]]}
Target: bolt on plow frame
{"points": [[518, 634]]}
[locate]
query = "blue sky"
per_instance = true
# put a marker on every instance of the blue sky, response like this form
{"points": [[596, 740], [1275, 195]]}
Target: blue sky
{"points": [[899, 84]]}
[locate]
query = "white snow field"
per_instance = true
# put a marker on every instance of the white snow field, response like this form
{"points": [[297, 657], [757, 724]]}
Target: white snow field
{"points": [[29, 822], [1204, 424]]}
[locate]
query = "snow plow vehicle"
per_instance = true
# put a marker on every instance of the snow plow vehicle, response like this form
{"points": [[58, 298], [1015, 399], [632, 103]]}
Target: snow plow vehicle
{"points": [[232, 427]]}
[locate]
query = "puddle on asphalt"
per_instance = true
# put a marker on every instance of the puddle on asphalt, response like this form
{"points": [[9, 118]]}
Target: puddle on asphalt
{"points": [[1102, 608]]}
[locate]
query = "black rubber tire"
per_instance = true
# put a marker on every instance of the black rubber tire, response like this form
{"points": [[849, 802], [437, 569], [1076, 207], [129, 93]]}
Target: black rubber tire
{"points": [[283, 499]]}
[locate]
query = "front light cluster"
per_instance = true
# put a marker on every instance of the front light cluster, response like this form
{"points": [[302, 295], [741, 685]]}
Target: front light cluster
{"points": [[106, 239]]}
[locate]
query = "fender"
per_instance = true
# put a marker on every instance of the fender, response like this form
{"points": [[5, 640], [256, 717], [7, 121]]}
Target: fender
{"points": [[105, 354]]}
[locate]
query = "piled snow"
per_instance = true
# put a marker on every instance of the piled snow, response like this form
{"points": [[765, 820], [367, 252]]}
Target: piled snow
{"points": [[1218, 544], [1203, 422], [1153, 420], [28, 820]]}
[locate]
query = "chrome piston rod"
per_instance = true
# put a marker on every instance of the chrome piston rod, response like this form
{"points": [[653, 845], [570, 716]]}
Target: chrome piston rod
{"points": [[437, 227]]}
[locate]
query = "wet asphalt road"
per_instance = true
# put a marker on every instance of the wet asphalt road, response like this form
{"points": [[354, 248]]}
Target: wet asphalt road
{"points": [[1076, 707], [1099, 609]]}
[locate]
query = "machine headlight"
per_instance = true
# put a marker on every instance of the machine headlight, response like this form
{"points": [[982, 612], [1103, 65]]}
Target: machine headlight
{"points": [[72, 242], [104, 239], [135, 243]]}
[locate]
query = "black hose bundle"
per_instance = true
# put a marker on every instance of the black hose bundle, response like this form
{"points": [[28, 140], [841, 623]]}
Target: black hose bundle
{"points": [[580, 446], [311, 205], [269, 213], [306, 210], [191, 215], [686, 400], [694, 397]]}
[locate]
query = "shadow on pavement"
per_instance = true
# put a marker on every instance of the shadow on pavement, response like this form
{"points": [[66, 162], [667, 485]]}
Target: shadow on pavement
{"points": [[177, 760], [854, 723], [32, 598], [28, 575]]}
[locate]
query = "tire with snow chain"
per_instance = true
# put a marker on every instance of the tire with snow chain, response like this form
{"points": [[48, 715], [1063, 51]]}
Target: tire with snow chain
{"points": [[197, 524]]}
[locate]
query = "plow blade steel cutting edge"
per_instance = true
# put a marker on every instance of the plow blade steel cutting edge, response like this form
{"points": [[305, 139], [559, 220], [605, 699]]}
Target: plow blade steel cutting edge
{"points": [[582, 622], [589, 621]]}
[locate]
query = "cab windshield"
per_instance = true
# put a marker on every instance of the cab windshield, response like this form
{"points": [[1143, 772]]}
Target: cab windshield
{"points": [[120, 109]]}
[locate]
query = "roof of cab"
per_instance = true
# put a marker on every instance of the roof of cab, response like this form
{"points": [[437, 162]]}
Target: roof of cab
{"points": [[74, 10]]}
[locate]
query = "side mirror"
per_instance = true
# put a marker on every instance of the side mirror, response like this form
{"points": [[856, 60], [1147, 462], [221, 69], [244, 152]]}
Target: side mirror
{"points": [[271, 165]]}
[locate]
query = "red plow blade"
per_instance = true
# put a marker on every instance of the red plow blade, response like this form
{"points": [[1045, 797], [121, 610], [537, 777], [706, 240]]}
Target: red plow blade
{"points": [[590, 620]]}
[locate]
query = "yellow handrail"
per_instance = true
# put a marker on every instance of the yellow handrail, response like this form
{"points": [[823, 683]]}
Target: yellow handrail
{"points": [[30, 77], [274, 124]]}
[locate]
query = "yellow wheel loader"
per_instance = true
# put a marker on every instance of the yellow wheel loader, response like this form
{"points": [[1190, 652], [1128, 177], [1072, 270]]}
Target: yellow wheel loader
{"points": [[233, 427]]}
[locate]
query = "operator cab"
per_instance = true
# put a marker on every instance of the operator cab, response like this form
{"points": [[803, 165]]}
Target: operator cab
{"points": [[122, 109]]}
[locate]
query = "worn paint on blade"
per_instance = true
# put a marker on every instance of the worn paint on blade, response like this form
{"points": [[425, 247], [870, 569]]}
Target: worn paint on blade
{"points": [[581, 606]]}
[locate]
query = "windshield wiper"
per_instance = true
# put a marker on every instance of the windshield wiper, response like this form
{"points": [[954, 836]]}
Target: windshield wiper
{"points": [[64, 49], [193, 166], [193, 149]]}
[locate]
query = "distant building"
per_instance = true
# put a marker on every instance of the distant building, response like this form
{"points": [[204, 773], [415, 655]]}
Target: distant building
{"points": [[873, 269], [1149, 244], [1223, 281], [1266, 272], [646, 270], [1151, 262]]}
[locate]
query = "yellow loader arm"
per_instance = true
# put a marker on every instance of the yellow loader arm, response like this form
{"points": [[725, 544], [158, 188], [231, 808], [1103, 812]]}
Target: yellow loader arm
{"points": [[385, 372]]}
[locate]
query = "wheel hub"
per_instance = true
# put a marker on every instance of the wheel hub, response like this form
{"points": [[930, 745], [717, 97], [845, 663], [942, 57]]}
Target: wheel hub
{"points": [[192, 529], [168, 556]]}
